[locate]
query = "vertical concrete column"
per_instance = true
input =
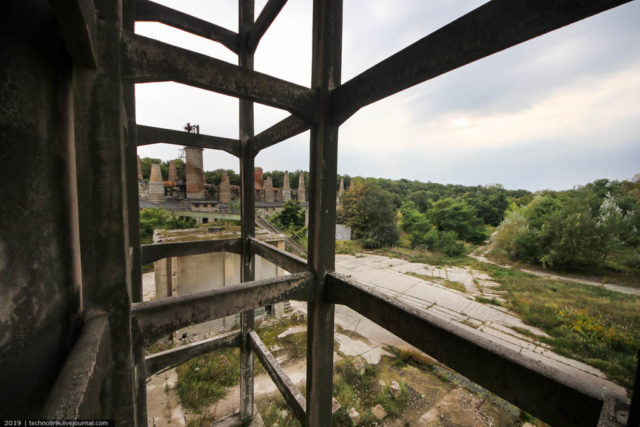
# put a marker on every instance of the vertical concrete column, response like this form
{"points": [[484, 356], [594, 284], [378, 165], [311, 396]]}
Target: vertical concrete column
{"points": [[224, 193], [156, 185], [286, 188], [269, 195], [247, 211], [105, 148], [195, 172], [302, 197], [173, 173], [326, 68]]}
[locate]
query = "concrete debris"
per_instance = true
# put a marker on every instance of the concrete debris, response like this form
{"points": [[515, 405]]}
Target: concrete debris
{"points": [[379, 412], [358, 365], [335, 405], [354, 416], [395, 390]]}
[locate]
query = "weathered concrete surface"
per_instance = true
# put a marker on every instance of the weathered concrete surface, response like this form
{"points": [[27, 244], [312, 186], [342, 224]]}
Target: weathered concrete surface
{"points": [[488, 321], [38, 312]]}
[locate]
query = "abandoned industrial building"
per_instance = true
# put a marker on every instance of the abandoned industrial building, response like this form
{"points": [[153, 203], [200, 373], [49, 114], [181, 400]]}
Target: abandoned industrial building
{"points": [[73, 325]]}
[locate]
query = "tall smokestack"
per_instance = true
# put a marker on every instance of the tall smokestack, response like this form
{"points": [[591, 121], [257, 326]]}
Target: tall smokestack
{"points": [[225, 189], [286, 188], [341, 190], [301, 191], [173, 172], [156, 186], [195, 173], [268, 191], [257, 178]]}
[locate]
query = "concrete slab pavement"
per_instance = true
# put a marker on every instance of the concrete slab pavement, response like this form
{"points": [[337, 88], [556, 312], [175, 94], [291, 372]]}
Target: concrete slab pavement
{"points": [[387, 275]]}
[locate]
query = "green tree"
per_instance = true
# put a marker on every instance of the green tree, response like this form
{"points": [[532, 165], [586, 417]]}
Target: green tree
{"points": [[370, 212], [158, 218], [456, 215], [214, 177], [291, 215]]}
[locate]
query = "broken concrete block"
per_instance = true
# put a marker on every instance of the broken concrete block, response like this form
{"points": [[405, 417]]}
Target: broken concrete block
{"points": [[379, 412]]}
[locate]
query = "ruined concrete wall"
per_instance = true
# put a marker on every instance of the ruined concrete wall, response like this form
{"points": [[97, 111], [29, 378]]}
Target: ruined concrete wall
{"points": [[40, 297]]}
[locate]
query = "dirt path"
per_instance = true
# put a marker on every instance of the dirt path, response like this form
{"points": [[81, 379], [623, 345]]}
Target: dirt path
{"points": [[610, 286]]}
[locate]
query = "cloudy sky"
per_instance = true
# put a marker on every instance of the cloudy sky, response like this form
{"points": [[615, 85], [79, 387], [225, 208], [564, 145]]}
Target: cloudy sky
{"points": [[555, 112]]}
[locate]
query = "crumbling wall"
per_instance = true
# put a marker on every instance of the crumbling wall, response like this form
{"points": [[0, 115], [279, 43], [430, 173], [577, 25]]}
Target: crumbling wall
{"points": [[40, 298]]}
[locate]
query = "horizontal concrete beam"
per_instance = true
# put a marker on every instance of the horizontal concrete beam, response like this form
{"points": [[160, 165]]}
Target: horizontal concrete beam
{"points": [[147, 60], [167, 359], [150, 11], [279, 377], [152, 135], [77, 22], [264, 21], [76, 392], [492, 27], [157, 251], [284, 259], [284, 129], [161, 317], [546, 392]]}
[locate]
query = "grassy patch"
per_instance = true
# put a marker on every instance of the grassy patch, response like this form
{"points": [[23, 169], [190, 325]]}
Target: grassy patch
{"points": [[588, 323], [348, 247], [275, 411], [158, 346], [295, 345], [485, 300], [204, 380], [363, 392], [451, 284]]}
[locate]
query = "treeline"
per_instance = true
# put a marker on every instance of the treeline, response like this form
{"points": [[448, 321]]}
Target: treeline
{"points": [[145, 166], [584, 229], [430, 215]]}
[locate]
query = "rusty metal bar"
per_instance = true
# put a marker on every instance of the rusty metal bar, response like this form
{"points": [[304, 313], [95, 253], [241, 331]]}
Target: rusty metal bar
{"points": [[284, 259], [153, 135], [323, 164], [247, 209], [77, 23], [158, 251], [280, 378], [264, 21], [492, 27], [148, 60], [161, 317], [150, 11], [76, 392], [284, 129], [546, 392], [167, 359]]}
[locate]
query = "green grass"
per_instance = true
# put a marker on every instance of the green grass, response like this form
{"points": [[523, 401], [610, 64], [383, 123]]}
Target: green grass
{"points": [[348, 247], [363, 392], [451, 284], [272, 411], [294, 344], [486, 300], [203, 380], [588, 323]]}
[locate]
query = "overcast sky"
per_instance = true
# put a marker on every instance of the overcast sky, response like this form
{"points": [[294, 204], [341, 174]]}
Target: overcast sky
{"points": [[555, 112]]}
